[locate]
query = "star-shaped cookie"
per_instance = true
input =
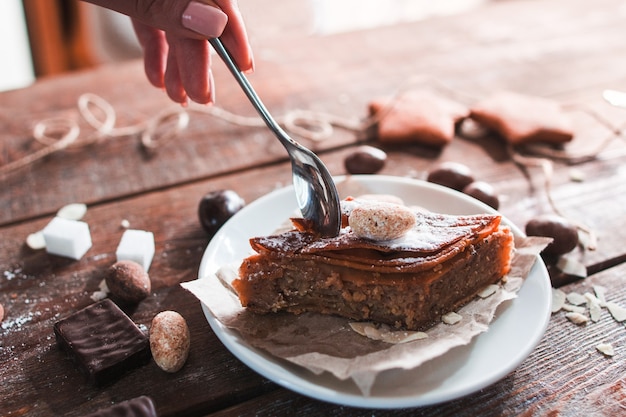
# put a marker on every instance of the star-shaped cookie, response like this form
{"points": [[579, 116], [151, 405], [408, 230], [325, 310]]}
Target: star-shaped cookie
{"points": [[417, 116], [520, 118]]}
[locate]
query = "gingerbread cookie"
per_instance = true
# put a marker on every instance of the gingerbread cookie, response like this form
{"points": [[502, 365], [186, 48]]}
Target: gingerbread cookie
{"points": [[520, 118], [417, 116]]}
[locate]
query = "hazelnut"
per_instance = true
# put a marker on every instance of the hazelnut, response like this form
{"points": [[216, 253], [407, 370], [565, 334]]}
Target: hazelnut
{"points": [[484, 192], [128, 281], [563, 233], [452, 175], [365, 160]]}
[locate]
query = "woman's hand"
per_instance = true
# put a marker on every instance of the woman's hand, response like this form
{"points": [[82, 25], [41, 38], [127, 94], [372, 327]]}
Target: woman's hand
{"points": [[174, 33]]}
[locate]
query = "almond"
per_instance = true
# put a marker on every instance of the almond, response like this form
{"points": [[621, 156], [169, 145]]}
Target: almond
{"points": [[558, 299], [576, 298], [169, 340], [488, 291], [606, 349], [577, 318], [385, 334], [74, 211], [451, 318], [618, 312]]}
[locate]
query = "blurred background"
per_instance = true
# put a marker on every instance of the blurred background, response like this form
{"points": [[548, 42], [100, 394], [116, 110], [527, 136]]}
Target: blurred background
{"points": [[40, 38]]}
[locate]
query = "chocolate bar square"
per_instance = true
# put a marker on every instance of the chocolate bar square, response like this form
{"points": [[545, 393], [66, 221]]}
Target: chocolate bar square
{"points": [[103, 341], [137, 407]]}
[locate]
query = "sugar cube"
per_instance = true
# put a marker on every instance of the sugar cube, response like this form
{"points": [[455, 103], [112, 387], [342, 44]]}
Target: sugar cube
{"points": [[137, 246], [69, 238]]}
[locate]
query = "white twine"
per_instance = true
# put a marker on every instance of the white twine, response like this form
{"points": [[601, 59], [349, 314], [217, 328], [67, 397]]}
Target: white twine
{"points": [[59, 133], [547, 167]]}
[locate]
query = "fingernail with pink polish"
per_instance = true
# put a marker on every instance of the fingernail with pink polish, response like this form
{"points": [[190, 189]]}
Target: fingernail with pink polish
{"points": [[206, 20]]}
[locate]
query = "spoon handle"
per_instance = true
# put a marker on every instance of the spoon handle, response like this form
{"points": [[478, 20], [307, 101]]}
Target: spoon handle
{"points": [[250, 93], [313, 184]]}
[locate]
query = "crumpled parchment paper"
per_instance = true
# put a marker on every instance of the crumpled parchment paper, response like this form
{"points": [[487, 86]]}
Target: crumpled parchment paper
{"points": [[328, 344]]}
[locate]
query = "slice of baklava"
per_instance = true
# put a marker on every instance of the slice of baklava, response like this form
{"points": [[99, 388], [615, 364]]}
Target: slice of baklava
{"points": [[385, 266]]}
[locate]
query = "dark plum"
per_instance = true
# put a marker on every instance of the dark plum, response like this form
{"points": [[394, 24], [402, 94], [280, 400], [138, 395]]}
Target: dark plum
{"points": [[217, 207], [365, 160]]}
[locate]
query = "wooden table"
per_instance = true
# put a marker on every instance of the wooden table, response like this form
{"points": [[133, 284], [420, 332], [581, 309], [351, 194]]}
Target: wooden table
{"points": [[567, 50]]}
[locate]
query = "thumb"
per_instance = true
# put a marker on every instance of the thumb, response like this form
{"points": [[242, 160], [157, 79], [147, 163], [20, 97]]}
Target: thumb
{"points": [[205, 19]]}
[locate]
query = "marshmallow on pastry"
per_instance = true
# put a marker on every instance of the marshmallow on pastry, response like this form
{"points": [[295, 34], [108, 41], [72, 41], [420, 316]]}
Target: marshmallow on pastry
{"points": [[417, 116], [519, 118]]}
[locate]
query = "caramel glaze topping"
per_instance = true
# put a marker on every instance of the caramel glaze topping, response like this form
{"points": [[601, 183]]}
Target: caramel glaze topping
{"points": [[434, 239]]}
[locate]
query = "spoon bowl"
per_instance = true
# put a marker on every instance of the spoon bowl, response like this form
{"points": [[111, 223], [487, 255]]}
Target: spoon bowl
{"points": [[315, 189]]}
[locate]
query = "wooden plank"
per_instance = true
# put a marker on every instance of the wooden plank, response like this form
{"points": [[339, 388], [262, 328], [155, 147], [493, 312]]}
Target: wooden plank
{"points": [[560, 60], [522, 197]]}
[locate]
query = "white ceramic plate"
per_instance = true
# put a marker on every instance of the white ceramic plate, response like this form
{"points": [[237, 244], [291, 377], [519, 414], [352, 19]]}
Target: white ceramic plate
{"points": [[512, 336]]}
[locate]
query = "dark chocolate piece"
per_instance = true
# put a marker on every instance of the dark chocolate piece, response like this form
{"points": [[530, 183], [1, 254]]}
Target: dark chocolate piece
{"points": [[137, 407], [103, 341]]}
